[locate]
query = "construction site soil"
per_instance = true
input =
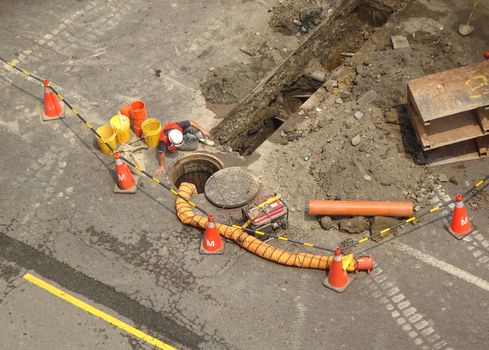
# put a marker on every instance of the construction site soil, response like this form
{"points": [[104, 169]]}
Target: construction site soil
{"points": [[352, 139], [307, 95]]}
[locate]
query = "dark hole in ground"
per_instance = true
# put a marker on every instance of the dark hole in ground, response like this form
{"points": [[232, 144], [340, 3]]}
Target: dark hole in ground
{"points": [[290, 99], [373, 13], [196, 169], [296, 93], [322, 54], [258, 134]]}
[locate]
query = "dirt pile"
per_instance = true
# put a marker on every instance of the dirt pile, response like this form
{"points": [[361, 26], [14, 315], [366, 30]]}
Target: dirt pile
{"points": [[230, 83], [291, 17], [352, 138]]}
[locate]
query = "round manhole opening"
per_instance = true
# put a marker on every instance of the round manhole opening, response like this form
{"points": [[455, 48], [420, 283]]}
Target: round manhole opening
{"points": [[195, 168]]}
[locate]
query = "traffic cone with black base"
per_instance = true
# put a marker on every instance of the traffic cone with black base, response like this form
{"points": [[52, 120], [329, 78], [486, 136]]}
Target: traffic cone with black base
{"points": [[126, 182], [460, 226], [52, 109], [211, 241], [337, 278]]}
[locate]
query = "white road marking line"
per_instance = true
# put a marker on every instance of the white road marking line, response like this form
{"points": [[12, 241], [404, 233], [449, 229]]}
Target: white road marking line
{"points": [[423, 333], [442, 265]]}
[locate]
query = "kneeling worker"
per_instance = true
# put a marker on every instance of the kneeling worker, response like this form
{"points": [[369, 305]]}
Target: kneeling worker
{"points": [[184, 135]]}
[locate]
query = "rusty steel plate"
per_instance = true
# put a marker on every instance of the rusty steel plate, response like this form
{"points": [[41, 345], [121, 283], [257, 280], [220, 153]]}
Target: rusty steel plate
{"points": [[451, 92], [231, 187]]}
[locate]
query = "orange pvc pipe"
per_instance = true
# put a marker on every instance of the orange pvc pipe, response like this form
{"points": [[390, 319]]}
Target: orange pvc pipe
{"points": [[365, 208]]}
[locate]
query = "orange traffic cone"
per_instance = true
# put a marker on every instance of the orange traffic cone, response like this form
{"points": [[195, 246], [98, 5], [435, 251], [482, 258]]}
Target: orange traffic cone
{"points": [[211, 242], [126, 183], [460, 226], [486, 55], [52, 109], [337, 279]]}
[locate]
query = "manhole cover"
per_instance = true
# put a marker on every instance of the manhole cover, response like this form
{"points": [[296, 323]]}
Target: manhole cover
{"points": [[231, 187]]}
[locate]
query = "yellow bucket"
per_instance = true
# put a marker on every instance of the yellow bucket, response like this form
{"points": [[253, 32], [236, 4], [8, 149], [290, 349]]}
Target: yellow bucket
{"points": [[122, 125], [151, 131], [108, 136]]}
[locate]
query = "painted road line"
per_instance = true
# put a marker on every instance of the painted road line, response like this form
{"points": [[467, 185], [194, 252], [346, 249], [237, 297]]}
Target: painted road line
{"points": [[442, 265], [96, 312]]}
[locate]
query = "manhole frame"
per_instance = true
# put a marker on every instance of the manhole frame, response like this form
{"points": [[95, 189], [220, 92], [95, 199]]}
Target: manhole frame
{"points": [[177, 169]]}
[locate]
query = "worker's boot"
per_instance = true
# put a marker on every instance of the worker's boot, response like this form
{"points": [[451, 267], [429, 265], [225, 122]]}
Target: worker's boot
{"points": [[207, 141]]}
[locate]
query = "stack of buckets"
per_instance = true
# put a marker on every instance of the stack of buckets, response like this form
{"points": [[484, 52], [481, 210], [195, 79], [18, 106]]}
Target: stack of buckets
{"points": [[119, 129]]}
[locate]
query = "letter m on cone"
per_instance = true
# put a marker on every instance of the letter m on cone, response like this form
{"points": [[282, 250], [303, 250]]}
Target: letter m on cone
{"points": [[211, 242]]}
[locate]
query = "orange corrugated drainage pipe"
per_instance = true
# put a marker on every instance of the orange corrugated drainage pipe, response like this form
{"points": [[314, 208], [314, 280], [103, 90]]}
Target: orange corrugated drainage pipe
{"points": [[365, 208], [298, 259]]}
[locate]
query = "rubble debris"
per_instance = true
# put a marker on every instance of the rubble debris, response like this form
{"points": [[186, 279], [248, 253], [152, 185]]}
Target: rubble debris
{"points": [[382, 222], [292, 17], [252, 44], [454, 180], [367, 98], [327, 223], [399, 42], [318, 76], [358, 115], [392, 117], [355, 140], [357, 224], [443, 178]]}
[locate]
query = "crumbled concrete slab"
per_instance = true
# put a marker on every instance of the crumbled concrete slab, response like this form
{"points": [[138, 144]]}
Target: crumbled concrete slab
{"points": [[399, 42]]}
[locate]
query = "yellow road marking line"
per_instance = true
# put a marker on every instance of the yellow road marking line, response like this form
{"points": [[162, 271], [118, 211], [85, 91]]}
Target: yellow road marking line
{"points": [[96, 312]]}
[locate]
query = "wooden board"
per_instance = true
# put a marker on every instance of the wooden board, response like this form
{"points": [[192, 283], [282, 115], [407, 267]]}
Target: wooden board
{"points": [[483, 114], [483, 145], [459, 152], [446, 131], [418, 126], [451, 92]]}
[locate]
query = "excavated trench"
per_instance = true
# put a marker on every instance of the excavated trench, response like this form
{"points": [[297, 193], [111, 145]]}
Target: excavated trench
{"points": [[280, 94]]}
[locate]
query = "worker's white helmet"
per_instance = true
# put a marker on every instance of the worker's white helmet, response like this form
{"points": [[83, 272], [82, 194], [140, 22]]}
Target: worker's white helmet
{"points": [[176, 137]]}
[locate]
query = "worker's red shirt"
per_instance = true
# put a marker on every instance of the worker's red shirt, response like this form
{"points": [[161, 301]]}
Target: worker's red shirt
{"points": [[165, 143]]}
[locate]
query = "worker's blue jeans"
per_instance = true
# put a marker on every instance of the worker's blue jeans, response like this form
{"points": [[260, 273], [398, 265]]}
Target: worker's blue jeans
{"points": [[191, 138]]}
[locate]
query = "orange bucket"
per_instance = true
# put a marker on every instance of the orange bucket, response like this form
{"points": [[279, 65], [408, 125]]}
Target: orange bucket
{"points": [[137, 114], [124, 110]]}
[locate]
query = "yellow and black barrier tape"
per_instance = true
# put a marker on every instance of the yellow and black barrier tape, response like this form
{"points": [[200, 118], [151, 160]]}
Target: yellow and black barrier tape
{"points": [[89, 126], [281, 238], [23, 71], [421, 214]]}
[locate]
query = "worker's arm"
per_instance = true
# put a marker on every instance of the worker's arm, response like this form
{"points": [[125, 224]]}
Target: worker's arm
{"points": [[199, 127], [161, 159]]}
